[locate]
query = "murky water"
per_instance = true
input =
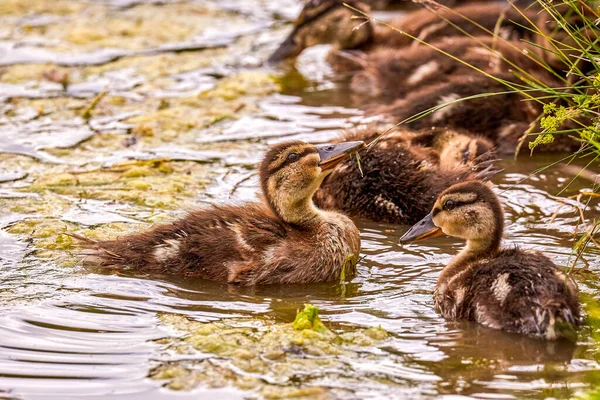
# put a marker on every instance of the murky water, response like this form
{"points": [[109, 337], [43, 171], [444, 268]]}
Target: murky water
{"points": [[66, 332]]}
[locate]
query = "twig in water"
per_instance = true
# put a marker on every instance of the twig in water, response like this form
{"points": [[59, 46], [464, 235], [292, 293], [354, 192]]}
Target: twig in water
{"points": [[237, 184], [87, 114]]}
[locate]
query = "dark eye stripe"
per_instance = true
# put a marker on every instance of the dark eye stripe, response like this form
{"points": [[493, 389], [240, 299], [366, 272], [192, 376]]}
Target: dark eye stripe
{"points": [[284, 163], [457, 204]]}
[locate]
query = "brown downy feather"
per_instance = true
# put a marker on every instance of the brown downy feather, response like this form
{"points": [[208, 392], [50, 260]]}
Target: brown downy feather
{"points": [[401, 178], [284, 239], [510, 289], [502, 118], [390, 74], [331, 22], [471, 19]]}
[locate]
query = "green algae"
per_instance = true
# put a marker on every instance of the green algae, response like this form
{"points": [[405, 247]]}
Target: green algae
{"points": [[309, 319], [156, 184], [87, 26], [249, 83], [260, 355], [24, 7]]}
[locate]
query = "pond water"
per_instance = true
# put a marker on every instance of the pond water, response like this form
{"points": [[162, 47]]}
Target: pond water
{"points": [[177, 130]]}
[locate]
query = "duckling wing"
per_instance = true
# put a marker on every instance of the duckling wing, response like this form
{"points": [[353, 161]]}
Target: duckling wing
{"points": [[213, 244], [523, 292]]}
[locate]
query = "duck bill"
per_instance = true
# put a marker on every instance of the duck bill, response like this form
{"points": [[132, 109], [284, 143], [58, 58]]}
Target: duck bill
{"points": [[287, 49], [332, 154], [424, 229]]}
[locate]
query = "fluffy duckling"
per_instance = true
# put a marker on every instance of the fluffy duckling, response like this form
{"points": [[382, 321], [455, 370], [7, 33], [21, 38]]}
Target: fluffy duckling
{"points": [[399, 179], [390, 74], [501, 118], [283, 239], [514, 290], [330, 22], [404, 4], [456, 148]]}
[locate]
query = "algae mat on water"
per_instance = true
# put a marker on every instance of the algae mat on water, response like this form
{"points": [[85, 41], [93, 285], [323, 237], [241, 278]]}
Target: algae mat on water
{"points": [[273, 360]]}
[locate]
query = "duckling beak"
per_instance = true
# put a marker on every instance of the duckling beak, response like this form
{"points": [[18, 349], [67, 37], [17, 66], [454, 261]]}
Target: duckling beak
{"points": [[287, 49], [423, 229], [332, 154]]}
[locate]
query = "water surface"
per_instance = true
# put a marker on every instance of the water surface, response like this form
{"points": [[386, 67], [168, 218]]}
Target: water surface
{"points": [[180, 128]]}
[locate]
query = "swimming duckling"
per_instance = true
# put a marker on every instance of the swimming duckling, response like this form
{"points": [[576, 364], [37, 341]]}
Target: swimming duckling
{"points": [[502, 118], [330, 22], [283, 239], [515, 290], [401, 178], [456, 148], [390, 74]]}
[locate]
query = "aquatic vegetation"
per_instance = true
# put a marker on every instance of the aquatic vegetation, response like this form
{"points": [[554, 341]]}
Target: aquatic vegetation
{"points": [[263, 356]]}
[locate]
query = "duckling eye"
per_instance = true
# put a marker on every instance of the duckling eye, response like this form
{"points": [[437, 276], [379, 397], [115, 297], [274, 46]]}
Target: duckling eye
{"points": [[449, 205], [466, 155], [292, 157]]}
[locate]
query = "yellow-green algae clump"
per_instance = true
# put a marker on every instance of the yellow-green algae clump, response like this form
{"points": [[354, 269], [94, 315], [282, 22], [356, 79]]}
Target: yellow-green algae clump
{"points": [[262, 356]]}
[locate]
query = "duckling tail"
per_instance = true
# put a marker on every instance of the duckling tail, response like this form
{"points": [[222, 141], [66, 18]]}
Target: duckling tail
{"points": [[96, 253], [554, 322]]}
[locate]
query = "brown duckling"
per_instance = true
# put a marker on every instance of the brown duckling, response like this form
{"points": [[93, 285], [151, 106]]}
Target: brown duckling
{"points": [[456, 148], [330, 22], [515, 290], [404, 4], [283, 239], [502, 118], [390, 74], [399, 179]]}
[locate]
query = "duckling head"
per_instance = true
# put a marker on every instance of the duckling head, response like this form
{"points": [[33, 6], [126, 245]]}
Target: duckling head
{"points": [[291, 172], [324, 22], [459, 149], [468, 210]]}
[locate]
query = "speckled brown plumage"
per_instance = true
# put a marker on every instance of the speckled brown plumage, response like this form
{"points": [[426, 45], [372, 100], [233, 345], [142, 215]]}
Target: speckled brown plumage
{"points": [[330, 22], [389, 74], [283, 239], [540, 295], [502, 118], [514, 290], [401, 178], [469, 19]]}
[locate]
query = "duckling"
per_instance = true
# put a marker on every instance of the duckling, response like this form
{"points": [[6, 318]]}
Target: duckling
{"points": [[330, 22], [514, 290], [501, 118], [456, 148], [282, 239], [401, 178], [403, 4], [390, 74]]}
